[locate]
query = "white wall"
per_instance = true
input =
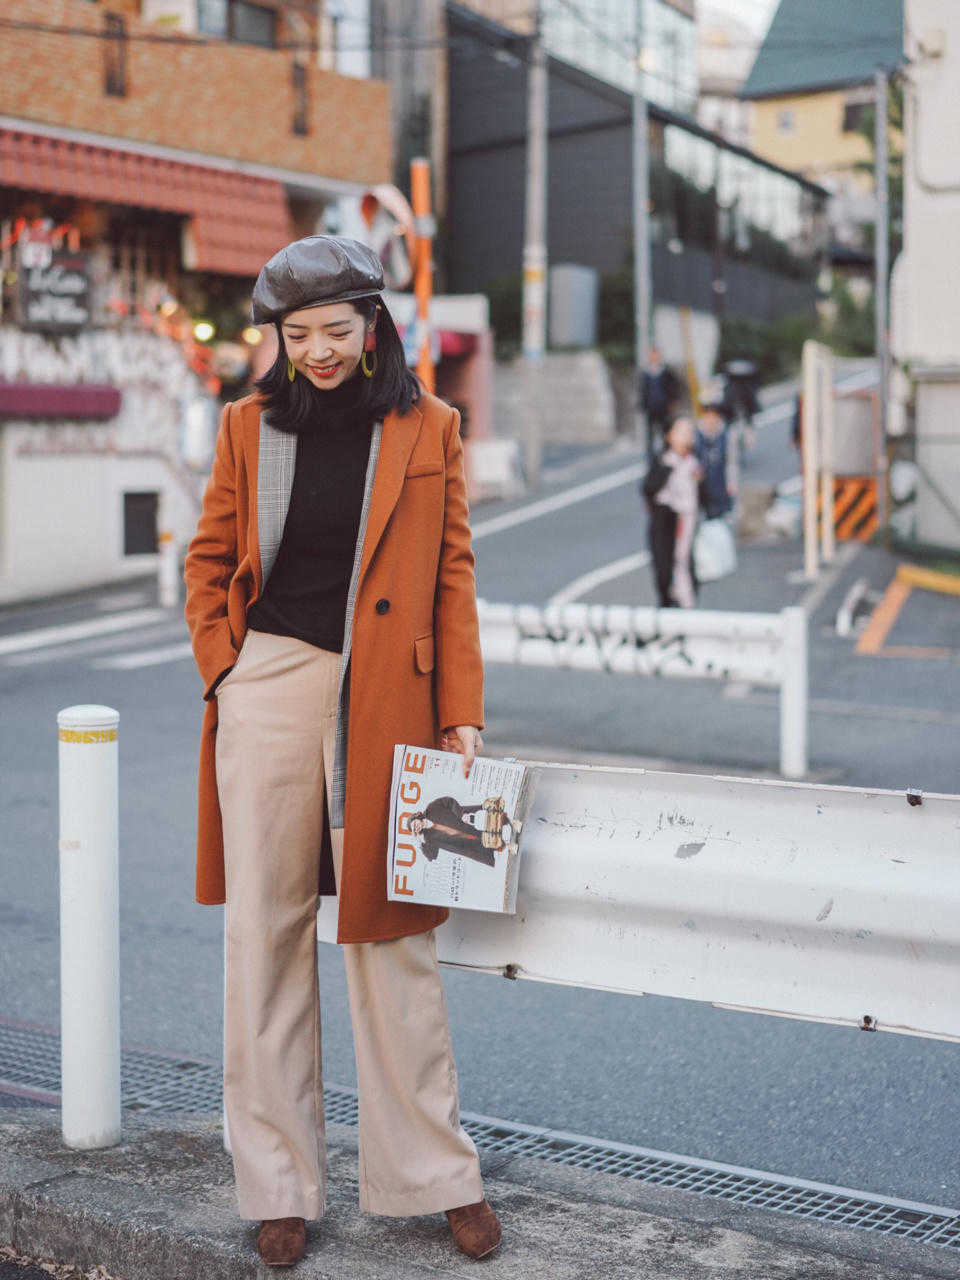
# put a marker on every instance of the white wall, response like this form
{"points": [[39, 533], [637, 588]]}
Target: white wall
{"points": [[62, 516], [62, 483], [925, 297], [932, 181]]}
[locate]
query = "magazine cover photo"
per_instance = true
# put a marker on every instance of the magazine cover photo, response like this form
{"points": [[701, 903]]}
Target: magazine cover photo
{"points": [[455, 841]]}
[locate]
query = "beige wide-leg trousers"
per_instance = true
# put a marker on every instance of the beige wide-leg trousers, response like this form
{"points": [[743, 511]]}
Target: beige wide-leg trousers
{"points": [[275, 740]]}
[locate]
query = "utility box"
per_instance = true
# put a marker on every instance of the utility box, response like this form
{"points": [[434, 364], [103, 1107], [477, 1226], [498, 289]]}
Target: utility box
{"points": [[856, 433], [573, 293]]}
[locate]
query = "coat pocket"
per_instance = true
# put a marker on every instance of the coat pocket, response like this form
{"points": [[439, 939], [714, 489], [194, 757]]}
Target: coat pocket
{"points": [[423, 653], [428, 468]]}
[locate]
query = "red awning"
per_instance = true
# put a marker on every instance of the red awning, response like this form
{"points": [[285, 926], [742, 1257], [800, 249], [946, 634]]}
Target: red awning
{"points": [[237, 221], [49, 400]]}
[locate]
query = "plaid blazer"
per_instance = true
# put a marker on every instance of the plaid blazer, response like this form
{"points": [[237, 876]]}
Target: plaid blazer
{"points": [[275, 468]]}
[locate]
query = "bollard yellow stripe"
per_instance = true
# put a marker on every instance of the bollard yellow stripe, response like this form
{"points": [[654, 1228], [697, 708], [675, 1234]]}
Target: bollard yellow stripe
{"points": [[87, 735]]}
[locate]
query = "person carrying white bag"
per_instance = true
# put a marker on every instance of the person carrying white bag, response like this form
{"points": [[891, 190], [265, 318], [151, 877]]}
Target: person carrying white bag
{"points": [[714, 548]]}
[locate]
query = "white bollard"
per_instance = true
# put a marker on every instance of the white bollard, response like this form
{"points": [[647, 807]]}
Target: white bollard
{"points": [[794, 694], [89, 927], [810, 451], [168, 579]]}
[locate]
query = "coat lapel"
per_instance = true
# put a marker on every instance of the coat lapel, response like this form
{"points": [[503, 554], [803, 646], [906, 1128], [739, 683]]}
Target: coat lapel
{"points": [[399, 435]]}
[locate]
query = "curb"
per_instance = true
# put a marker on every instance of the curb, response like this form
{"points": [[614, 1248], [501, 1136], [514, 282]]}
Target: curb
{"points": [[160, 1206]]}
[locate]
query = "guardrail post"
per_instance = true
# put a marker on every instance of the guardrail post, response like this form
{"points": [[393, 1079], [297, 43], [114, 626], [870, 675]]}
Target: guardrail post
{"points": [[794, 694], [89, 927]]}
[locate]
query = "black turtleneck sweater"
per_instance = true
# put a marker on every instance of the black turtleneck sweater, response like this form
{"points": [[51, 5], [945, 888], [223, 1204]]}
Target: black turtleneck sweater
{"points": [[306, 593]]}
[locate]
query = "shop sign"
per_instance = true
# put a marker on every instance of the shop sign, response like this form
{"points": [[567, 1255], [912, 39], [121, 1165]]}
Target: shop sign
{"points": [[54, 290]]}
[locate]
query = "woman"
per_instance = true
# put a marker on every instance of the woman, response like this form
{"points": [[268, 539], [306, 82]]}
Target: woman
{"points": [[446, 824], [672, 489], [331, 603]]}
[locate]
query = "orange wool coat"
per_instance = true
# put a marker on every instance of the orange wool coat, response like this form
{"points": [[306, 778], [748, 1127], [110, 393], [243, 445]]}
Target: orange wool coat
{"points": [[414, 668]]}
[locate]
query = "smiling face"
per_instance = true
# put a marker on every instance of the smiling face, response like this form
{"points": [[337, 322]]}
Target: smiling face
{"points": [[325, 343]]}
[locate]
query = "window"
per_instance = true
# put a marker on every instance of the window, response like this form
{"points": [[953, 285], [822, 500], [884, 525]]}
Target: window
{"points": [[238, 20], [253, 24], [855, 116], [115, 55], [140, 523], [786, 121], [301, 99]]}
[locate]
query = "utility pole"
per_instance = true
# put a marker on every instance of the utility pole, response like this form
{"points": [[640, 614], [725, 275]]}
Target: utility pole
{"points": [[426, 229], [641, 230], [881, 256], [535, 245]]}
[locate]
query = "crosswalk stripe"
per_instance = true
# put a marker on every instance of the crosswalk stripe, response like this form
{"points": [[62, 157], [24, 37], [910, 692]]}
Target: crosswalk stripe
{"points": [[24, 641], [81, 649], [145, 658]]}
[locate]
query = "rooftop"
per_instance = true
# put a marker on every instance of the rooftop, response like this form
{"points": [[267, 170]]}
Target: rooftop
{"points": [[825, 44]]}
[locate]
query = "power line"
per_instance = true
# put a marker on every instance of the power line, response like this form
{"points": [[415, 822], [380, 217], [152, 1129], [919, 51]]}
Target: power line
{"points": [[208, 41]]}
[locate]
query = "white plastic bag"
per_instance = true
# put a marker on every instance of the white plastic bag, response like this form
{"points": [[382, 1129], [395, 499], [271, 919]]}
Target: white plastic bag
{"points": [[714, 550]]}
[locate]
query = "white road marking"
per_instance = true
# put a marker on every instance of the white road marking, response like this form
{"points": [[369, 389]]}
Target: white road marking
{"points": [[813, 598], [45, 636], [605, 573], [145, 658], [120, 600], [557, 501], [82, 648]]}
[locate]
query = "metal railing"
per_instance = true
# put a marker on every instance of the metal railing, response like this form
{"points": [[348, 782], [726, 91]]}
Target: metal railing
{"points": [[763, 648]]}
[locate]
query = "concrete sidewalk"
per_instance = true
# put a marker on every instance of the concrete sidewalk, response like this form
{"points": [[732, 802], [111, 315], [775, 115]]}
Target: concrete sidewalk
{"points": [[160, 1206]]}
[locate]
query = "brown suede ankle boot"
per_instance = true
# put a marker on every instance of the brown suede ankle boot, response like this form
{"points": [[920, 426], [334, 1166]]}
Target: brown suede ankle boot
{"points": [[281, 1241], [476, 1230]]}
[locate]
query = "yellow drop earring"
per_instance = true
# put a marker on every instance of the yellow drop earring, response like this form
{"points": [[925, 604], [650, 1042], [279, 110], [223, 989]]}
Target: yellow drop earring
{"points": [[369, 348], [291, 371]]}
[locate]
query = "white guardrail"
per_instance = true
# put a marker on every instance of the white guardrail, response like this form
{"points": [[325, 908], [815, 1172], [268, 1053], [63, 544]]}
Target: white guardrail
{"points": [[827, 903], [762, 648]]}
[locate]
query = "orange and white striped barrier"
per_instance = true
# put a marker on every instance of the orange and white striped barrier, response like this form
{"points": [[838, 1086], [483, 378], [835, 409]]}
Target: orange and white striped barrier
{"points": [[854, 508]]}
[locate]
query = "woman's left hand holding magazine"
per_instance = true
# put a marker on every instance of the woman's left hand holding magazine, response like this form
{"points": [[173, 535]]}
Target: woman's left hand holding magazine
{"points": [[464, 738]]}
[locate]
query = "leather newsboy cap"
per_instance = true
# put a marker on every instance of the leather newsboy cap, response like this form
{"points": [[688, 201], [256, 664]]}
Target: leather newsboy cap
{"points": [[315, 270]]}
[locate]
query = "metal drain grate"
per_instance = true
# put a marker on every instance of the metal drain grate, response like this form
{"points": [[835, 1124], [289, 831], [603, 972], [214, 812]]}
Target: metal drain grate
{"points": [[150, 1081]]}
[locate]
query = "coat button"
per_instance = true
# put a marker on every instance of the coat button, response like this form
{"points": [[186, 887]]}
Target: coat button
{"points": [[383, 606]]}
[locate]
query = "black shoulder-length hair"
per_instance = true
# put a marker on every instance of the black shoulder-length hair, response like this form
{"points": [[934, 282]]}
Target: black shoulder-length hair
{"points": [[294, 405]]}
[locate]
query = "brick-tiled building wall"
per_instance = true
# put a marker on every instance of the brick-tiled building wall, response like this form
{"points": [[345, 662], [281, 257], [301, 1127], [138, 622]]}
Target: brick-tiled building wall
{"points": [[203, 95]]}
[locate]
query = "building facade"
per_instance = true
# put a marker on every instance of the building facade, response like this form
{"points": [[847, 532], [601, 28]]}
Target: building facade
{"points": [[153, 154], [730, 232], [811, 88]]}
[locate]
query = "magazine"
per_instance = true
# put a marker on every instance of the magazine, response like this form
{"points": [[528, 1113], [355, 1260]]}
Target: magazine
{"points": [[455, 841]]}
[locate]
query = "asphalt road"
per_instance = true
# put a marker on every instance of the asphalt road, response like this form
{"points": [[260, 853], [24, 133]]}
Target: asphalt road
{"points": [[875, 1112]]}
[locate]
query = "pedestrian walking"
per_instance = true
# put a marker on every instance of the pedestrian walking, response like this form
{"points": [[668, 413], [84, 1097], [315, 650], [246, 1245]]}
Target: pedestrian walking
{"points": [[331, 601], [716, 458], [673, 493], [659, 393]]}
